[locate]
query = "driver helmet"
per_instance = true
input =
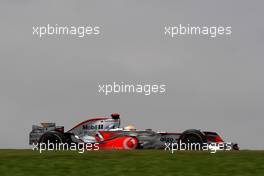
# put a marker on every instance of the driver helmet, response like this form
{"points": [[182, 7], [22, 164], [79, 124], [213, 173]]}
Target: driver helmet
{"points": [[130, 128]]}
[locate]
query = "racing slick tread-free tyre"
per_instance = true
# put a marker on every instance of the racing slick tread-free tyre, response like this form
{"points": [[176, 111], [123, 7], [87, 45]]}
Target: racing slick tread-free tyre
{"points": [[53, 137], [193, 136]]}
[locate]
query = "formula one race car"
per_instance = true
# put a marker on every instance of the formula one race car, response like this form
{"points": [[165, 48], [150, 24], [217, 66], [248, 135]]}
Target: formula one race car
{"points": [[106, 132]]}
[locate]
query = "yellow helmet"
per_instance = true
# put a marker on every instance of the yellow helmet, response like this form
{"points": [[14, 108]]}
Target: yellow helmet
{"points": [[130, 128]]}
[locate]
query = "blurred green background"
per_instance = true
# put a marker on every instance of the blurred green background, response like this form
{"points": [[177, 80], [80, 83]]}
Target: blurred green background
{"points": [[134, 162]]}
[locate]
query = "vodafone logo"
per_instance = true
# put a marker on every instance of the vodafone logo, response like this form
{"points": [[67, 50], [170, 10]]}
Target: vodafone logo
{"points": [[130, 143]]}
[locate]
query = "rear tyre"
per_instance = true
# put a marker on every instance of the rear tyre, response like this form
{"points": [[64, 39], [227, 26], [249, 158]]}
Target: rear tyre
{"points": [[52, 137]]}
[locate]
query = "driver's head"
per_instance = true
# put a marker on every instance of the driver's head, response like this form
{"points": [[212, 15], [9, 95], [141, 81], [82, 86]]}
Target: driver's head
{"points": [[130, 128]]}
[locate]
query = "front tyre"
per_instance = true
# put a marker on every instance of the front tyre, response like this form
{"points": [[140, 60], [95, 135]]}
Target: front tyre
{"points": [[193, 138]]}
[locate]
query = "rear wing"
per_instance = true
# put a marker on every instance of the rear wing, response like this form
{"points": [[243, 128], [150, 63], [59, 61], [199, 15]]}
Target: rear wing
{"points": [[39, 130]]}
